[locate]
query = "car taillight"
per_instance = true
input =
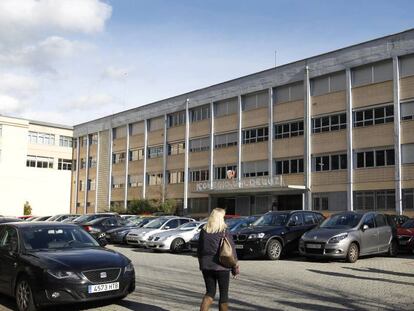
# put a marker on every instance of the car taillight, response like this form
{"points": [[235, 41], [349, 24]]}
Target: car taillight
{"points": [[87, 228]]}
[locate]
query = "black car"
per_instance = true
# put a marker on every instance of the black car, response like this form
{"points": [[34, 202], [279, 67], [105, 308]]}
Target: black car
{"points": [[43, 264], [118, 235], [275, 233], [99, 226], [4, 220], [83, 219]]}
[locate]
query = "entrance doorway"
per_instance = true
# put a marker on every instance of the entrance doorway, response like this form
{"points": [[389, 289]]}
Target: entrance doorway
{"points": [[289, 202], [229, 204]]}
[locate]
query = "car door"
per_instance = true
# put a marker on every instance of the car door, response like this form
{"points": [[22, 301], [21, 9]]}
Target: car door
{"points": [[9, 247], [369, 236], [172, 224], [384, 232], [295, 229]]}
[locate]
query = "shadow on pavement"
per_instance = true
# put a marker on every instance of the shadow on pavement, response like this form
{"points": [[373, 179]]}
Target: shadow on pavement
{"points": [[7, 302], [125, 304]]}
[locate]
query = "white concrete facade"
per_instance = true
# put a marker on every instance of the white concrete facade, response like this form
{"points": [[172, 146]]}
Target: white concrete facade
{"points": [[46, 189]]}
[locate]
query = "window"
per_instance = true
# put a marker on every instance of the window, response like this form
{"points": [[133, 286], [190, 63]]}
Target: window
{"points": [[255, 168], [380, 220], [225, 140], [407, 111], [82, 163], [408, 199], [374, 200], [135, 181], [118, 157], [309, 219], [296, 219], [83, 141], [373, 73], [200, 144], [172, 224], [92, 162], [93, 139], [155, 152], [372, 116], [136, 128], [65, 141], [407, 154], [375, 158], [286, 130], [64, 164], [118, 182], [9, 239], [41, 138], [198, 205], [154, 179], [200, 113], [407, 66], [82, 185], [136, 154], [256, 100], [226, 107], [119, 132], [255, 135], [225, 172], [329, 123], [91, 186], [176, 148], [199, 175], [369, 220], [176, 119], [39, 162], [289, 166], [327, 84], [156, 124], [320, 202], [330, 162], [287, 93], [175, 177]]}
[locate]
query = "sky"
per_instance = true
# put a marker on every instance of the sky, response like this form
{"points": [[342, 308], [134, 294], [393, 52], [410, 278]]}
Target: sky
{"points": [[73, 61]]}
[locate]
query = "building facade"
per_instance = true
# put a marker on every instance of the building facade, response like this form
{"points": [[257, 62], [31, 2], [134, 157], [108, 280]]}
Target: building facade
{"points": [[35, 166], [332, 132]]}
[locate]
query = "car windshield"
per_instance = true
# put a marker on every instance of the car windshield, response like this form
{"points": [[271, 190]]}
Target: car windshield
{"points": [[341, 221], [52, 238], [156, 223], [271, 219], [230, 222], [53, 218], [189, 226], [408, 224]]}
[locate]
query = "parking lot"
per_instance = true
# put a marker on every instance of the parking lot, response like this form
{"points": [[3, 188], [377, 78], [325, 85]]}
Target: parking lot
{"points": [[173, 282]]}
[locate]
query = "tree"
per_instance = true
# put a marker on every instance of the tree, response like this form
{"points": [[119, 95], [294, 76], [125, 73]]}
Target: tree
{"points": [[27, 209], [168, 207], [141, 206]]}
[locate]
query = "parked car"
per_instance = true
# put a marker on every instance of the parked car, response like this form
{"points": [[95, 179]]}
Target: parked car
{"points": [[83, 219], [118, 235], [70, 219], [99, 226], [25, 217], [47, 264], [242, 223], [61, 217], [400, 219], [4, 220], [175, 240], [138, 237], [406, 236], [275, 233], [348, 236], [41, 218]]}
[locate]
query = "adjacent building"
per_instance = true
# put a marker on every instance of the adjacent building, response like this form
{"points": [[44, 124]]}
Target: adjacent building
{"points": [[331, 132], [35, 166]]}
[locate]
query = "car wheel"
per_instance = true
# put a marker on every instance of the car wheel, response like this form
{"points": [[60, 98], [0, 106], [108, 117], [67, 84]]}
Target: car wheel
{"points": [[24, 296], [393, 249], [274, 250], [177, 245], [353, 253]]}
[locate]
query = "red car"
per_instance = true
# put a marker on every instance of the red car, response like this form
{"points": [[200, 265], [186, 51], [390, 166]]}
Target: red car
{"points": [[406, 236]]}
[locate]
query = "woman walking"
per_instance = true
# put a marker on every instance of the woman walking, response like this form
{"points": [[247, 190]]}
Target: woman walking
{"points": [[209, 259]]}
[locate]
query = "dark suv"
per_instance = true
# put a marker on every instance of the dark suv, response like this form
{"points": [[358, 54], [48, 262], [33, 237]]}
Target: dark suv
{"points": [[274, 233]]}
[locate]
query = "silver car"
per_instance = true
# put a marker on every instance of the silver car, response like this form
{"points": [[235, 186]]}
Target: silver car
{"points": [[349, 235]]}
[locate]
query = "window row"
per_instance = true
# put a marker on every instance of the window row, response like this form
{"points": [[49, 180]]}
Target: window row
{"points": [[226, 140], [288, 166], [200, 113], [39, 162], [255, 168], [41, 138], [373, 116], [176, 119], [328, 84], [374, 200], [330, 162], [375, 158], [289, 129], [255, 135], [329, 123], [199, 144], [64, 164], [65, 141], [255, 100], [199, 175], [225, 172], [372, 73]]}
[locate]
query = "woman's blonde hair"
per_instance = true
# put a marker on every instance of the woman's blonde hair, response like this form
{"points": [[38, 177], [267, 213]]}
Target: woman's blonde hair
{"points": [[215, 222]]}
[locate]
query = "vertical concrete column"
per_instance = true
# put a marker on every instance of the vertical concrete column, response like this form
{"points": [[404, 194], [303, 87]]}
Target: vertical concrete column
{"points": [[397, 136], [211, 164], [126, 168], [144, 183], [270, 143], [87, 173], [111, 142], [77, 174], [186, 154], [239, 145], [349, 138], [164, 159], [98, 150], [307, 150]]}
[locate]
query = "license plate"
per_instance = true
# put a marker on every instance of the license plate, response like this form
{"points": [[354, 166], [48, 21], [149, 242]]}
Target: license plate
{"points": [[314, 246], [239, 246], [103, 287]]}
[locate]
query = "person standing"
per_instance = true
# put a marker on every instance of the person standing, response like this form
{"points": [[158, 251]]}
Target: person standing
{"points": [[208, 257]]}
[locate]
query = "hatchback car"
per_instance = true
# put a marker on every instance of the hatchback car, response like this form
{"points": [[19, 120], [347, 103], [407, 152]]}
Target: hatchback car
{"points": [[43, 264], [406, 236], [349, 235], [275, 233], [118, 235], [99, 226]]}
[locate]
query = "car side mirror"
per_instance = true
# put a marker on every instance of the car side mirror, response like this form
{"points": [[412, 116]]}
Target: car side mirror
{"points": [[167, 227], [365, 227]]}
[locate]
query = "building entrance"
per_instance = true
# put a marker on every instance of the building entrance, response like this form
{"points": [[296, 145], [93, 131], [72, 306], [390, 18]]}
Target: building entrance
{"points": [[289, 202], [229, 204]]}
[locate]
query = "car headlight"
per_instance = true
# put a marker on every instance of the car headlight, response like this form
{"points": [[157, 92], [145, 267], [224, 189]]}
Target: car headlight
{"points": [[338, 238], [254, 236], [129, 268], [63, 274]]}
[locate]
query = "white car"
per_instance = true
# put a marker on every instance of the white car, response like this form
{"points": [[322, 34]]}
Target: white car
{"points": [[139, 236], [175, 240]]}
